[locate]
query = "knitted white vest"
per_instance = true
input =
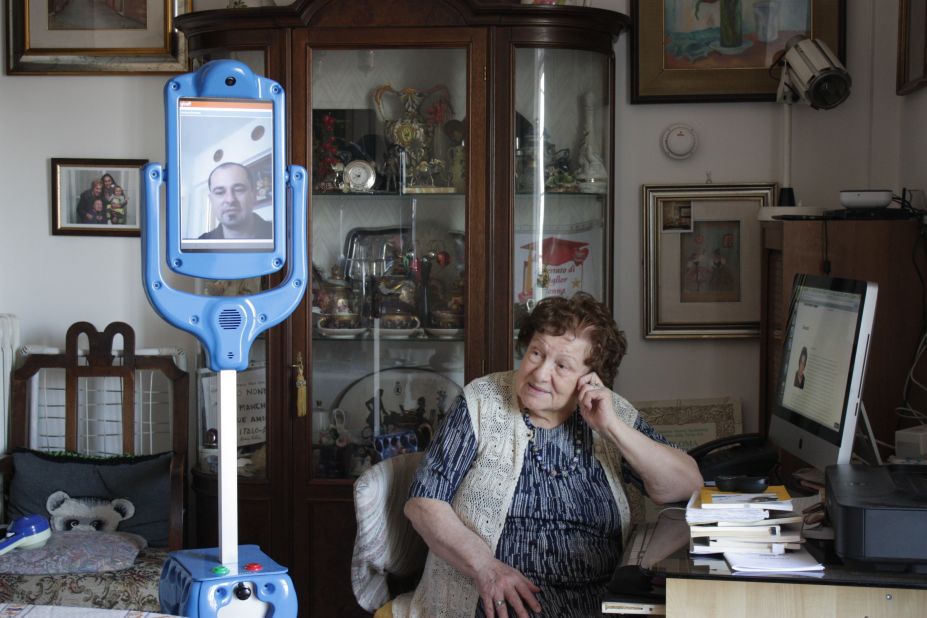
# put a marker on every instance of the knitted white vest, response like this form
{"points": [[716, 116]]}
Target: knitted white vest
{"points": [[483, 499]]}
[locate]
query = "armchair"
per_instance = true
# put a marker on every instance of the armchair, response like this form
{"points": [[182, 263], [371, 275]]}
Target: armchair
{"points": [[389, 555]]}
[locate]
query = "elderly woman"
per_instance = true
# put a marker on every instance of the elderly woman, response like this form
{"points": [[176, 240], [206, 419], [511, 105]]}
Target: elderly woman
{"points": [[520, 495]]}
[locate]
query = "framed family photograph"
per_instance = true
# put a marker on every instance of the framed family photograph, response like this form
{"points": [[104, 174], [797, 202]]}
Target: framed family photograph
{"points": [[912, 46], [67, 37], [688, 51], [702, 259], [96, 197]]}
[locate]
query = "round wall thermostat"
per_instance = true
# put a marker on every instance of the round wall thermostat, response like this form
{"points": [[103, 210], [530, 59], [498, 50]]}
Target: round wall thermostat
{"points": [[679, 141]]}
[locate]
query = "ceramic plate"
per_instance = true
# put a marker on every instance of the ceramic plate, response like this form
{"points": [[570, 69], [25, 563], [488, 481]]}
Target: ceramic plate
{"points": [[406, 390], [397, 333], [445, 333], [341, 333]]}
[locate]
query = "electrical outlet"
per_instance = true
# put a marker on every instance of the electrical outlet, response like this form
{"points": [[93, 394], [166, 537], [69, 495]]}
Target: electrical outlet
{"points": [[918, 199]]}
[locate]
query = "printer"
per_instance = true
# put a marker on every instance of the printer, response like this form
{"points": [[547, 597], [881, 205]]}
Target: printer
{"points": [[878, 514]]}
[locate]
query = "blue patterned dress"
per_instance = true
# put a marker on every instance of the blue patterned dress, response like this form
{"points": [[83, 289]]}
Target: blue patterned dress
{"points": [[564, 534]]}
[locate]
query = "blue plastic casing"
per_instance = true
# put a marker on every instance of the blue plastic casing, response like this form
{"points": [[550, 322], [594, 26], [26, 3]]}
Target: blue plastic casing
{"points": [[225, 325], [222, 79], [26, 532], [191, 586]]}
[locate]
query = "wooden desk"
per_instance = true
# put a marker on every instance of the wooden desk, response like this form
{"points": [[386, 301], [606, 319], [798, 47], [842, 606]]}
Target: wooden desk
{"points": [[694, 598], [698, 586]]}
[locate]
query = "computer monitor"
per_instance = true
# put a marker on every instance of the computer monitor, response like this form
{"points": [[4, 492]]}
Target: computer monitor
{"points": [[823, 365], [226, 173]]}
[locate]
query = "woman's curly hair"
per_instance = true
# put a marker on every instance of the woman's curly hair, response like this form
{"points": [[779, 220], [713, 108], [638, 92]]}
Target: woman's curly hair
{"points": [[583, 315]]}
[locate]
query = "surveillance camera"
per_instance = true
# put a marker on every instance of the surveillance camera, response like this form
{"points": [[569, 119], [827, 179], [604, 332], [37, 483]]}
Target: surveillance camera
{"points": [[812, 74]]}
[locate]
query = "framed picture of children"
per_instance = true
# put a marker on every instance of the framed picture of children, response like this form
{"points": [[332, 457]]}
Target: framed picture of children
{"points": [[96, 197]]}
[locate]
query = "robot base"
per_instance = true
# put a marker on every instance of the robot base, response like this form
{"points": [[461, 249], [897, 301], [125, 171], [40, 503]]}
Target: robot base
{"points": [[194, 583]]}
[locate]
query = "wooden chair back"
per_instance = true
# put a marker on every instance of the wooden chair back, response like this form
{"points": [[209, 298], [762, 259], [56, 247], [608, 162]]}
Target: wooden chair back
{"points": [[100, 363]]}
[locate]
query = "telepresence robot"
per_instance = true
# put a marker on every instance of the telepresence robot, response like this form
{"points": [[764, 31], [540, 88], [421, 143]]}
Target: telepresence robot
{"points": [[225, 149]]}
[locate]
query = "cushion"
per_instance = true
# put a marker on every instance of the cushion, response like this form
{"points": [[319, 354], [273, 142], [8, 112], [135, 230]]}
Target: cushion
{"points": [[77, 551], [143, 480]]}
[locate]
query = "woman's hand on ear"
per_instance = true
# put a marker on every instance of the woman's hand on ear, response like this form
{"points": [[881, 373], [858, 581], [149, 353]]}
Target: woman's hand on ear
{"points": [[595, 401]]}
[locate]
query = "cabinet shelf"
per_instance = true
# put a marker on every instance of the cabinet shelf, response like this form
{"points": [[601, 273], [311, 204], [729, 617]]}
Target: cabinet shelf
{"points": [[382, 194], [567, 194], [418, 339]]}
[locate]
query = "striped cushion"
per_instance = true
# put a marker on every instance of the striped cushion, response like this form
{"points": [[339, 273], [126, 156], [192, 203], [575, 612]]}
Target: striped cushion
{"points": [[386, 542]]}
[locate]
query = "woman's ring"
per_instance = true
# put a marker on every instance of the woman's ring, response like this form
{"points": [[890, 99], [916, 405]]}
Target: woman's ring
{"points": [[500, 603]]}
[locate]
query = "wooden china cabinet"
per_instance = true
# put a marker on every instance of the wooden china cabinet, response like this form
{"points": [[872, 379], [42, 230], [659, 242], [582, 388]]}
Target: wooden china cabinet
{"points": [[461, 156]]}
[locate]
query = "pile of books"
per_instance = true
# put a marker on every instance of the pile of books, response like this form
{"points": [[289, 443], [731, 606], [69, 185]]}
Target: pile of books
{"points": [[762, 523]]}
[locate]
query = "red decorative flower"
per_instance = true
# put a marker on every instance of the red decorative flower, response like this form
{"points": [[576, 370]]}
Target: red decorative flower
{"points": [[438, 112]]}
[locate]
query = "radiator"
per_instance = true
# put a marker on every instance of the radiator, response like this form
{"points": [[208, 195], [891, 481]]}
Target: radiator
{"points": [[9, 343]]}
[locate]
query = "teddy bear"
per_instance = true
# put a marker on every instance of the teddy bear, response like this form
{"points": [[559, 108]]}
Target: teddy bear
{"points": [[87, 513]]}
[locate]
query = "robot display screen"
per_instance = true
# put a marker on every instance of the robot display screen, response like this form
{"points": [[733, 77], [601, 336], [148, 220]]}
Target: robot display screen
{"points": [[823, 367], [226, 175]]}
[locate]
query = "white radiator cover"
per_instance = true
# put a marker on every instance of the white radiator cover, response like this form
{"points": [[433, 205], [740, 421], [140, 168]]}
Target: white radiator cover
{"points": [[9, 343]]}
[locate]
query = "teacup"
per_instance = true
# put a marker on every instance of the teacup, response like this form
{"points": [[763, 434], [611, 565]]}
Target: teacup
{"points": [[442, 318], [399, 321], [340, 320]]}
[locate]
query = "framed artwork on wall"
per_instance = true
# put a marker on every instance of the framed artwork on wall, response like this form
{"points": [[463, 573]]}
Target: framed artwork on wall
{"points": [[67, 37], [96, 197], [912, 46], [702, 259], [685, 51]]}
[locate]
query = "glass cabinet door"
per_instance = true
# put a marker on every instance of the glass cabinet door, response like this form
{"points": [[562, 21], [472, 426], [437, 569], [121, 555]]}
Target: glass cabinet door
{"points": [[388, 231], [562, 172]]}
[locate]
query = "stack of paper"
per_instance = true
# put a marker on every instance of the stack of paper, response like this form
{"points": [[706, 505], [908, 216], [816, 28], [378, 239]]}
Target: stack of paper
{"points": [[789, 562], [723, 521], [709, 505], [767, 539], [775, 498]]}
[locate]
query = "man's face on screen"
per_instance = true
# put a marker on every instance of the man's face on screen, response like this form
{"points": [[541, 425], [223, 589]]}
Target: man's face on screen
{"points": [[231, 196]]}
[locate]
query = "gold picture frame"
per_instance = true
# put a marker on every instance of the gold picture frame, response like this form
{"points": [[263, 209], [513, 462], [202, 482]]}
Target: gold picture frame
{"points": [[679, 53], [702, 259], [64, 37], [912, 46]]}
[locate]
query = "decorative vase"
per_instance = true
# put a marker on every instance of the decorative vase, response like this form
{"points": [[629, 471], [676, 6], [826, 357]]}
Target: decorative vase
{"points": [[766, 15], [592, 173], [411, 131], [731, 24]]}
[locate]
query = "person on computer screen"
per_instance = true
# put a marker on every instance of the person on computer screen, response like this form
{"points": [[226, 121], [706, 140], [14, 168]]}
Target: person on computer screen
{"points": [[520, 496], [232, 196], [800, 373]]}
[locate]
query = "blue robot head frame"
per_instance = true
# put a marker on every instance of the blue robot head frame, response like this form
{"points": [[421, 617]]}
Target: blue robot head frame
{"points": [[226, 326]]}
